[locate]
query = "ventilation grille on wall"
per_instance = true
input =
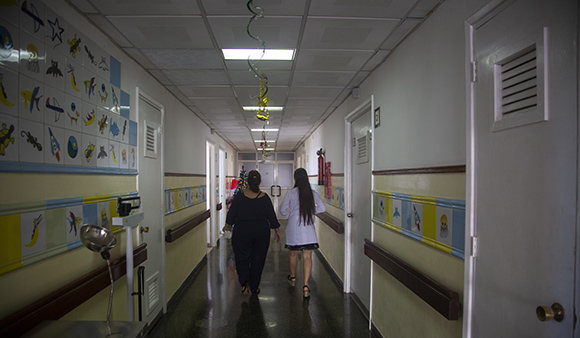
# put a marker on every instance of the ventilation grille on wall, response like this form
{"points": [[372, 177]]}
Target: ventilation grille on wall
{"points": [[519, 83], [152, 289], [362, 143], [150, 140]]}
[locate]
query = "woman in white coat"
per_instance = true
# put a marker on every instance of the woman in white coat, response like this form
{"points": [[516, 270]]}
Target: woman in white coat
{"points": [[300, 205]]}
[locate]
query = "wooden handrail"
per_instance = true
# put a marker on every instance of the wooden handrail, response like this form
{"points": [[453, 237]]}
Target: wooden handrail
{"points": [[333, 222], [180, 230], [62, 301], [442, 299]]}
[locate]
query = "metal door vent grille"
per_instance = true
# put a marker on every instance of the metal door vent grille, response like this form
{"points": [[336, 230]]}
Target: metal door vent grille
{"points": [[519, 83], [150, 141], [152, 289], [362, 156], [520, 76]]}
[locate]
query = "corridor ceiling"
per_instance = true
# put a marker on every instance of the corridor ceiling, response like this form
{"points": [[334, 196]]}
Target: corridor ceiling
{"points": [[337, 44]]}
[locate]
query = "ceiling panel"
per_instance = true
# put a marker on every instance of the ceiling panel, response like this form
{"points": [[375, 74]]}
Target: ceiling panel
{"points": [[276, 32], [140, 7], [164, 58], [336, 60], [337, 44], [164, 32], [361, 8], [359, 34]]}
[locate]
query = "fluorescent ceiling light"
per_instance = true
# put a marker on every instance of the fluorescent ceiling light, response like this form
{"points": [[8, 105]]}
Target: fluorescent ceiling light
{"points": [[262, 129], [267, 149], [267, 141], [259, 54], [267, 108]]}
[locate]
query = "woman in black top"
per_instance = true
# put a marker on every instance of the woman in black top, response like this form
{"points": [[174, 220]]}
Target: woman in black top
{"points": [[252, 216]]}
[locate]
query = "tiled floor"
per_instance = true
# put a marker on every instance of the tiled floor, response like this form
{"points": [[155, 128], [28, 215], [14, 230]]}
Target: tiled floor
{"points": [[211, 305]]}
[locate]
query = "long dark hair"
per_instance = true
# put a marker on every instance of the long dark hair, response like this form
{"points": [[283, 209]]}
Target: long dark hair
{"points": [[254, 180], [305, 197]]}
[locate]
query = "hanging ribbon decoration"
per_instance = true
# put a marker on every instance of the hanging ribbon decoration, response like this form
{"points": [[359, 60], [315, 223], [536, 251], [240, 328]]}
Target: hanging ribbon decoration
{"points": [[262, 113]]}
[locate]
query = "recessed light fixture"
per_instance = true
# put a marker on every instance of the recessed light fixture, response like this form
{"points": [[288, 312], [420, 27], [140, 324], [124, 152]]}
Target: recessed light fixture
{"points": [[258, 108], [262, 129], [259, 54]]}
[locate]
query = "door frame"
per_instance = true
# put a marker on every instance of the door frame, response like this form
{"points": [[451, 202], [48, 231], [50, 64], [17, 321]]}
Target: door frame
{"points": [[348, 199], [210, 181], [139, 238]]}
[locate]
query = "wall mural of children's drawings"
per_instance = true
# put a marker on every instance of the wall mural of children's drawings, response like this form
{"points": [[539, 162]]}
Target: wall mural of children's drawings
{"points": [[8, 138], [89, 119], [74, 72], [114, 155], [73, 109], [32, 17], [9, 92], [33, 233], [55, 74], [54, 107], [55, 29], [11, 12], [60, 88], [102, 152], [124, 160], [31, 94], [88, 155], [31, 143], [417, 225], [54, 138], [32, 61], [73, 154], [104, 215], [74, 221], [103, 122], [444, 225], [437, 222]]}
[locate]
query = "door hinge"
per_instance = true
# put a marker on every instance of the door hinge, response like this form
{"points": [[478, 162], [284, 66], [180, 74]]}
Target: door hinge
{"points": [[473, 71], [473, 246]]}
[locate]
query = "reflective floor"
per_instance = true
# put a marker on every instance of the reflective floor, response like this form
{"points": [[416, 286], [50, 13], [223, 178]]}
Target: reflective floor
{"points": [[211, 304]]}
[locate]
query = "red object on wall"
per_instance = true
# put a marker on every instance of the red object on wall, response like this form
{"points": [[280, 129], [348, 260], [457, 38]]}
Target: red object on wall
{"points": [[320, 154], [327, 181]]}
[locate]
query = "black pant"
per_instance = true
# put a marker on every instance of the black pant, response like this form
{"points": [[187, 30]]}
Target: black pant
{"points": [[250, 244]]}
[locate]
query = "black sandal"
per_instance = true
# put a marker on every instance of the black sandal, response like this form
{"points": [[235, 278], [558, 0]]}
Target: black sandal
{"points": [[306, 291], [245, 290], [292, 280], [257, 291]]}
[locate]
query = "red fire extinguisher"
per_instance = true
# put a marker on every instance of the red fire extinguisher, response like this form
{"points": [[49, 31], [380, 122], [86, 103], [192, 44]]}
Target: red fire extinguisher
{"points": [[320, 154]]}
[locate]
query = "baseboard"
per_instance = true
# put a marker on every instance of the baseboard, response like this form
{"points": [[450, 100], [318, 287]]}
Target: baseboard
{"points": [[179, 293], [375, 332], [329, 268]]}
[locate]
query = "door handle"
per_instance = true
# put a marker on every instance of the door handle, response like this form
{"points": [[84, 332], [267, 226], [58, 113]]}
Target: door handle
{"points": [[546, 313], [274, 194], [350, 215]]}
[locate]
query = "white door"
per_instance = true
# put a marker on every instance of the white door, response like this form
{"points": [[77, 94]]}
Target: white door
{"points": [[522, 168], [277, 179], [222, 189], [360, 220], [150, 185], [212, 197]]}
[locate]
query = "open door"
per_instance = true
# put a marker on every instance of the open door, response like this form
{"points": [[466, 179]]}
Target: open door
{"points": [[358, 208], [522, 169]]}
